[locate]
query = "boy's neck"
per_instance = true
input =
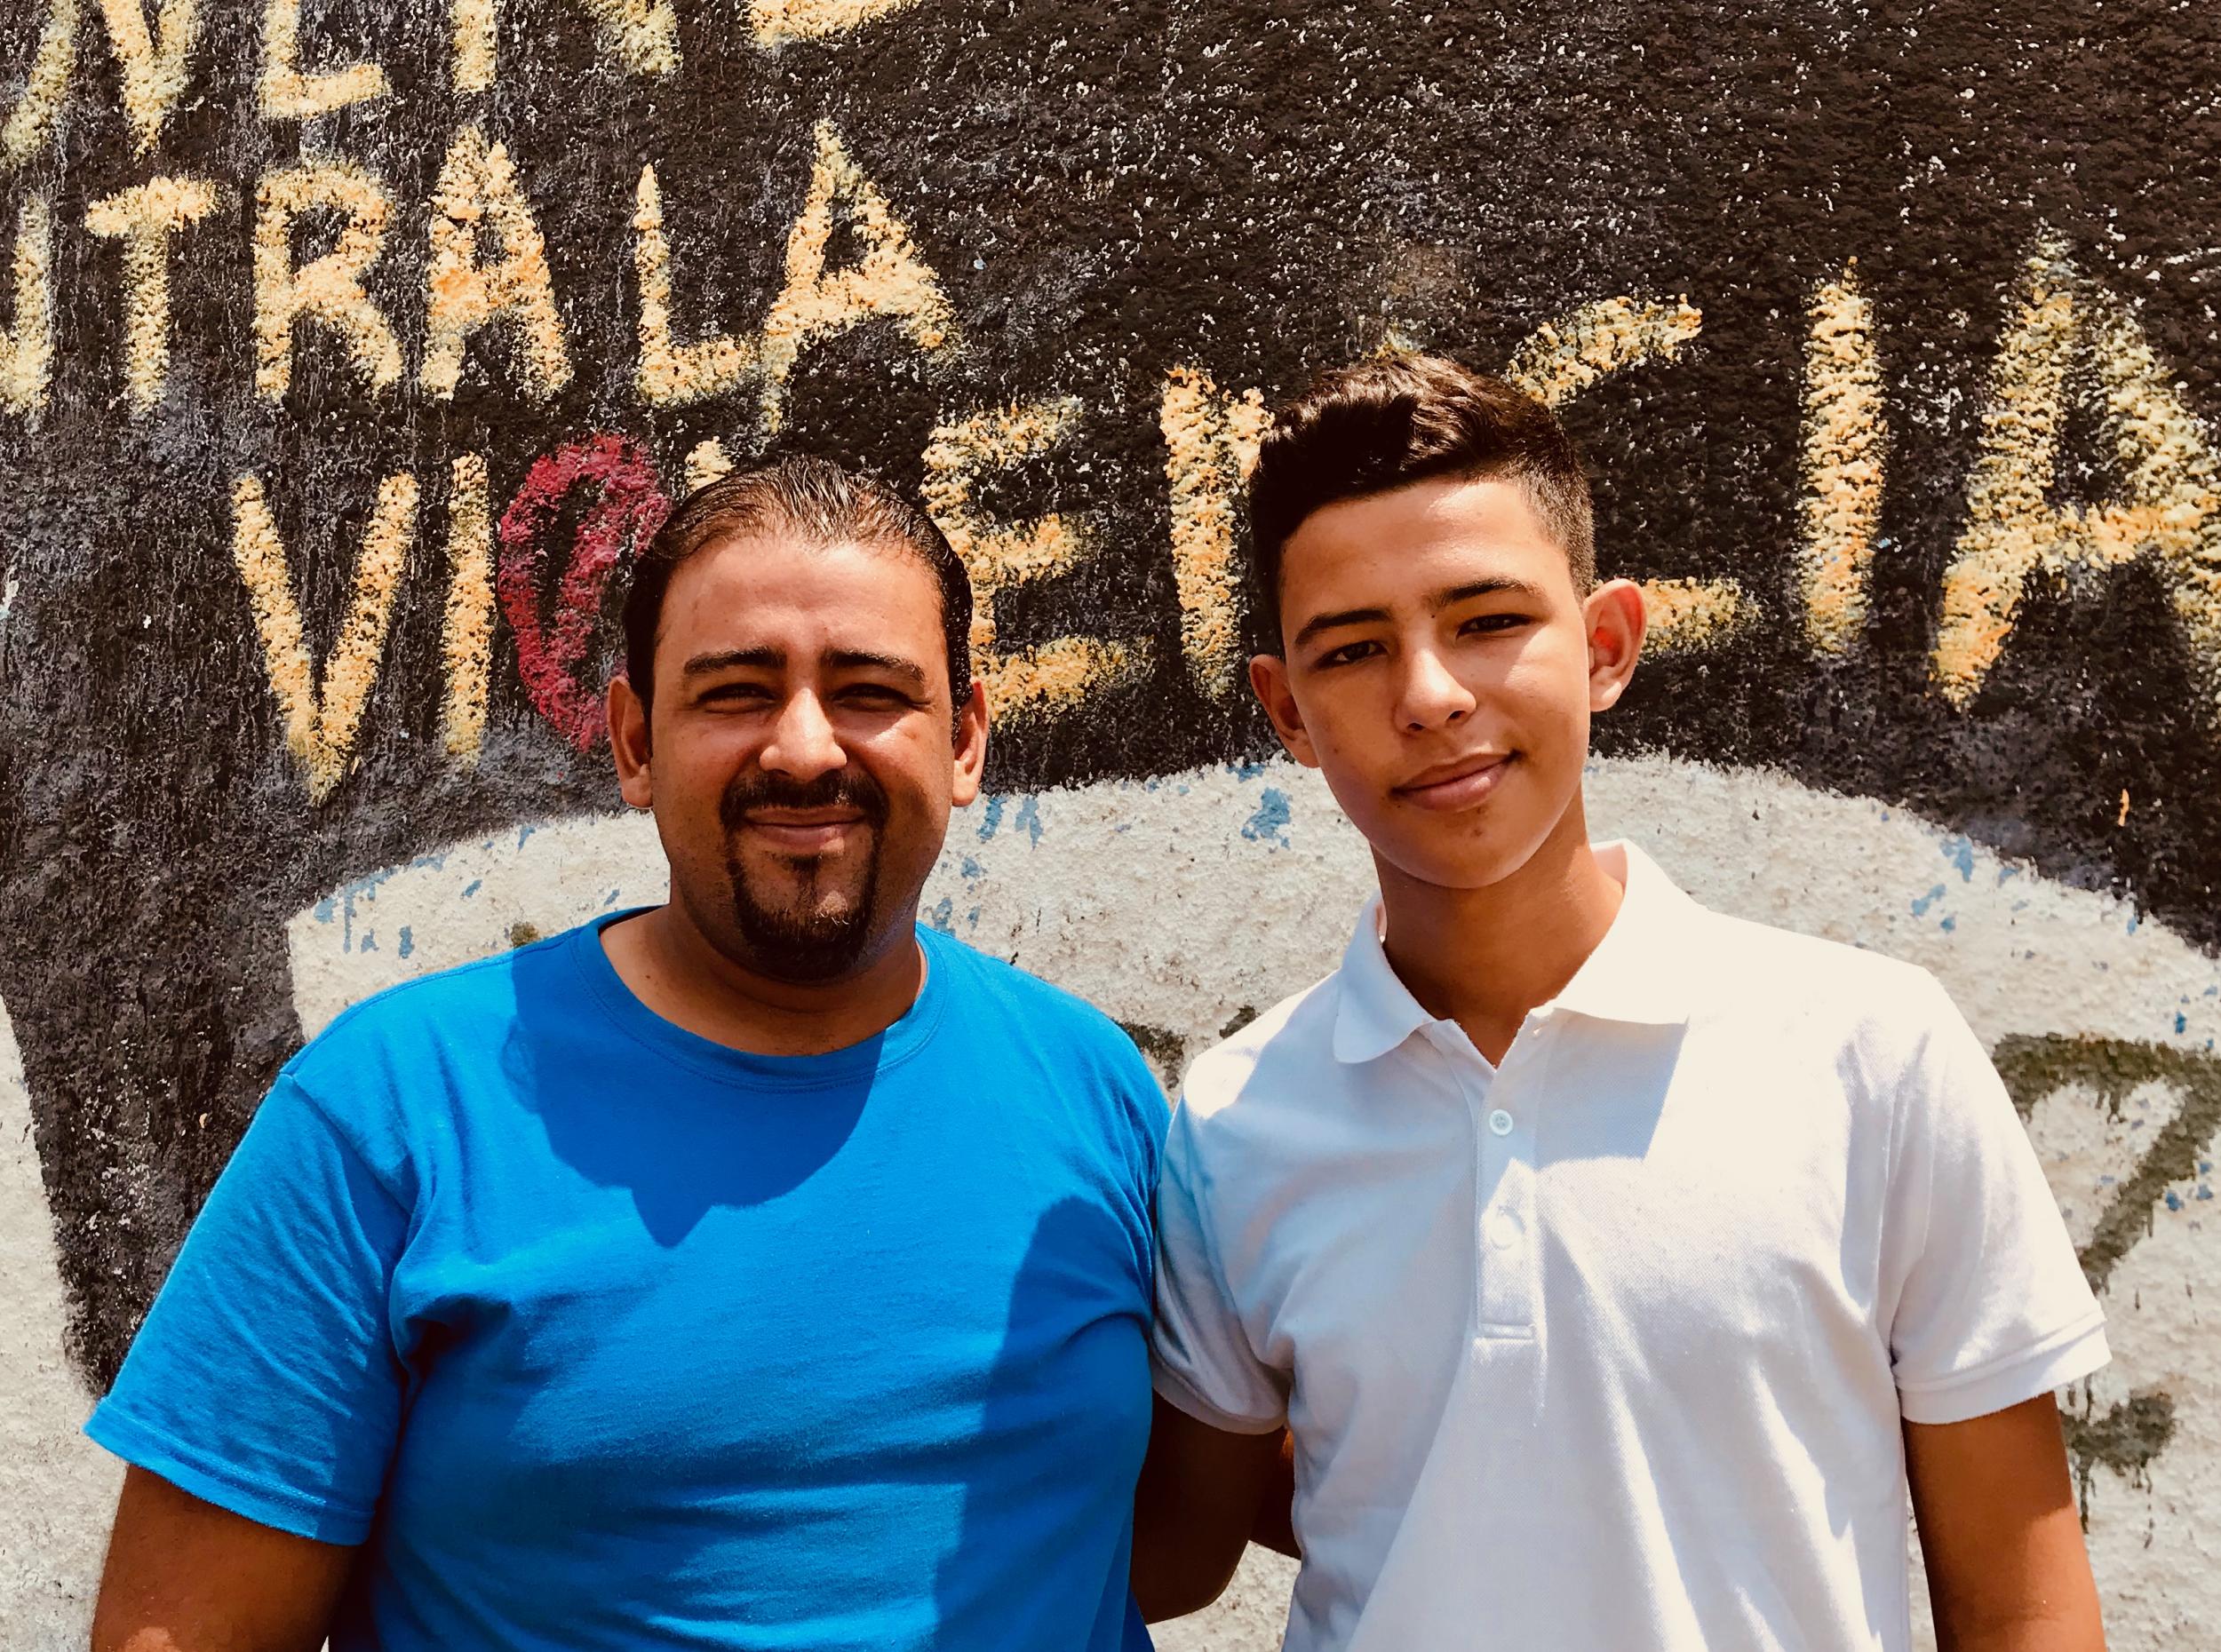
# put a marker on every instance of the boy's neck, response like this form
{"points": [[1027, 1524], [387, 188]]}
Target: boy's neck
{"points": [[1484, 957]]}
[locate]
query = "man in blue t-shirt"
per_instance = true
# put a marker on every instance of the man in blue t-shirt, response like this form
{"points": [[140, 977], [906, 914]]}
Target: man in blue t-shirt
{"points": [[758, 1270]]}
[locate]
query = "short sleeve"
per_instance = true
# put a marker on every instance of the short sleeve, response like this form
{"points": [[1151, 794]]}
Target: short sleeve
{"points": [[265, 1379], [1991, 1306], [1200, 1355]]}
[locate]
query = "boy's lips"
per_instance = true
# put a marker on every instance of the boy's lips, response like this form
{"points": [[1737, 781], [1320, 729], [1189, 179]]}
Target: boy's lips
{"points": [[1457, 785]]}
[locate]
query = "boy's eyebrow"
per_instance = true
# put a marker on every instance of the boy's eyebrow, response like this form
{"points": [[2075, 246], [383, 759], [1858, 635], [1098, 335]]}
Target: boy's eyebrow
{"points": [[1440, 601], [1480, 588], [1318, 623]]}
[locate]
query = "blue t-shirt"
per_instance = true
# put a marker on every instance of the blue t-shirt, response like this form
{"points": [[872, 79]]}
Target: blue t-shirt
{"points": [[598, 1334]]}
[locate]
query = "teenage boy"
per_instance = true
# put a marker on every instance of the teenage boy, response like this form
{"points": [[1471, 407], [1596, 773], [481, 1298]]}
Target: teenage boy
{"points": [[1616, 1267]]}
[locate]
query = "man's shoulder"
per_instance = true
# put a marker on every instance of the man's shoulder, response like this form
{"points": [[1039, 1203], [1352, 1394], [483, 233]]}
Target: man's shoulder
{"points": [[1047, 1013], [472, 1004]]}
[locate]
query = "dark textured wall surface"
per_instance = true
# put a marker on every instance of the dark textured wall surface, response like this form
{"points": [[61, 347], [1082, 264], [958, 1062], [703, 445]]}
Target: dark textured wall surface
{"points": [[1890, 332]]}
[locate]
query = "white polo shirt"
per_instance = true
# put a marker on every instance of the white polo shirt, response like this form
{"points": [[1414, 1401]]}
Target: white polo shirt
{"points": [[1606, 1348]]}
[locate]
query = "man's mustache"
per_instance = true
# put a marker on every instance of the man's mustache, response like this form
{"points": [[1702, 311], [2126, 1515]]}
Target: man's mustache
{"points": [[839, 787]]}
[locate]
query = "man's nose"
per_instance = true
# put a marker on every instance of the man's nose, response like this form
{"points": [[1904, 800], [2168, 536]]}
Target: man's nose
{"points": [[802, 743], [1429, 695]]}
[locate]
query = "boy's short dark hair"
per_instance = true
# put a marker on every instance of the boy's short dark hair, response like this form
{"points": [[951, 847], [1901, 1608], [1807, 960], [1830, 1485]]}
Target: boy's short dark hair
{"points": [[814, 500], [1380, 424]]}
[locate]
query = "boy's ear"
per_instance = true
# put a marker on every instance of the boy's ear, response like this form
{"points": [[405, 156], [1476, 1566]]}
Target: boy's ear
{"points": [[1268, 682], [1614, 616]]}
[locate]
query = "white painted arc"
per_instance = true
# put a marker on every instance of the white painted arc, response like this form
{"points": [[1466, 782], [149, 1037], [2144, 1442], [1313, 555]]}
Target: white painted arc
{"points": [[1180, 904], [57, 1488]]}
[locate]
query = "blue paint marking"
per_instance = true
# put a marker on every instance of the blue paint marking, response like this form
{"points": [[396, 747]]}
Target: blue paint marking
{"points": [[2133, 922], [611, 901], [1248, 771], [1269, 823], [524, 833], [991, 820], [1960, 853], [2173, 1202], [408, 941], [428, 863], [323, 911], [971, 869], [1029, 816], [1921, 906], [2212, 992], [2004, 872], [2204, 1192], [370, 942], [476, 884], [1950, 923], [971, 918], [940, 916], [2182, 1022]]}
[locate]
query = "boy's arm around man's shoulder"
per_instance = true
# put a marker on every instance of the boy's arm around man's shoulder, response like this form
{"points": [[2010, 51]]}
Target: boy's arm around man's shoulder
{"points": [[1218, 1472], [1204, 1494]]}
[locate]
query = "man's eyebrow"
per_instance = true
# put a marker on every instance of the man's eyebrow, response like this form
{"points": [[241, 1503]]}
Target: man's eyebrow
{"points": [[1318, 623], [893, 665], [726, 659]]}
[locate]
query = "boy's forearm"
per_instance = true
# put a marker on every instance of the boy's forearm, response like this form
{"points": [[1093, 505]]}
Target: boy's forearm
{"points": [[2002, 1535]]}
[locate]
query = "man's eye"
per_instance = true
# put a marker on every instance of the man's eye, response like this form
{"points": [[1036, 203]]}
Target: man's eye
{"points": [[1494, 621], [873, 695], [736, 694]]}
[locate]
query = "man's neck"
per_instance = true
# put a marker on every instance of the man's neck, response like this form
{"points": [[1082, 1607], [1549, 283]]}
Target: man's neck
{"points": [[671, 968], [1484, 957]]}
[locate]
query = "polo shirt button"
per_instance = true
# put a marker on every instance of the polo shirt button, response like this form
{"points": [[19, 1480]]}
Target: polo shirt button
{"points": [[1504, 1229], [1499, 1122]]}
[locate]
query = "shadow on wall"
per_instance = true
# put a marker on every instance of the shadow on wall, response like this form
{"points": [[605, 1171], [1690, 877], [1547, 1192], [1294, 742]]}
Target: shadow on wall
{"points": [[57, 1488]]}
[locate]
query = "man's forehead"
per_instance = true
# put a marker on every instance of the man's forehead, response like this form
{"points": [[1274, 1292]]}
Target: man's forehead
{"points": [[784, 595]]}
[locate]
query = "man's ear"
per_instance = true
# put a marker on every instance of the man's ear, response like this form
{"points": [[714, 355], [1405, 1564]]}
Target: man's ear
{"points": [[628, 743], [1268, 682], [1614, 616], [971, 746]]}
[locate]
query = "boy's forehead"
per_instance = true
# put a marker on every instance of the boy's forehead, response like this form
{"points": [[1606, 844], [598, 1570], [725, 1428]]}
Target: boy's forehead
{"points": [[1415, 538]]}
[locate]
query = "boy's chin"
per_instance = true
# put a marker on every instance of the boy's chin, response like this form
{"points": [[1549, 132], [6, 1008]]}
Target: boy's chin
{"points": [[1465, 867]]}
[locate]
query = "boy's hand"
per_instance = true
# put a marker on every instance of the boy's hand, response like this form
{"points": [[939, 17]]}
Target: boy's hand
{"points": [[1203, 1493], [2007, 1569]]}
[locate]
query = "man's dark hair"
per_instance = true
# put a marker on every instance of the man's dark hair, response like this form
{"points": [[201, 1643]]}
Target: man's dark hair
{"points": [[807, 499], [1381, 425]]}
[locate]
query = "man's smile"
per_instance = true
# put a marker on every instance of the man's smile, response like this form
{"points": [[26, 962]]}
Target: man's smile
{"points": [[804, 832]]}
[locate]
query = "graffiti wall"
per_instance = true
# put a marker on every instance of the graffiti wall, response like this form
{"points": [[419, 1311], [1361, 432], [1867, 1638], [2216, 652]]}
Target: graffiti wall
{"points": [[347, 351]]}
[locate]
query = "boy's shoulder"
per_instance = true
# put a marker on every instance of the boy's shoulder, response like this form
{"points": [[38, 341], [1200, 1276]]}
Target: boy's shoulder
{"points": [[1758, 974], [1278, 1053]]}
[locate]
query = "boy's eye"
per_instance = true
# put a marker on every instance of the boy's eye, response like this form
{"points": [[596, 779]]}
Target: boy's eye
{"points": [[1484, 623], [1349, 653]]}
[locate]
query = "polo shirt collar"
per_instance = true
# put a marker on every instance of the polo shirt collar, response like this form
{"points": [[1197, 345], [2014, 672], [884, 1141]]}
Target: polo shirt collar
{"points": [[1641, 972]]}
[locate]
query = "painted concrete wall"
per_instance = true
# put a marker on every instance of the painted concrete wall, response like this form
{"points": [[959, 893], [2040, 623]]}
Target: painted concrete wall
{"points": [[346, 352]]}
